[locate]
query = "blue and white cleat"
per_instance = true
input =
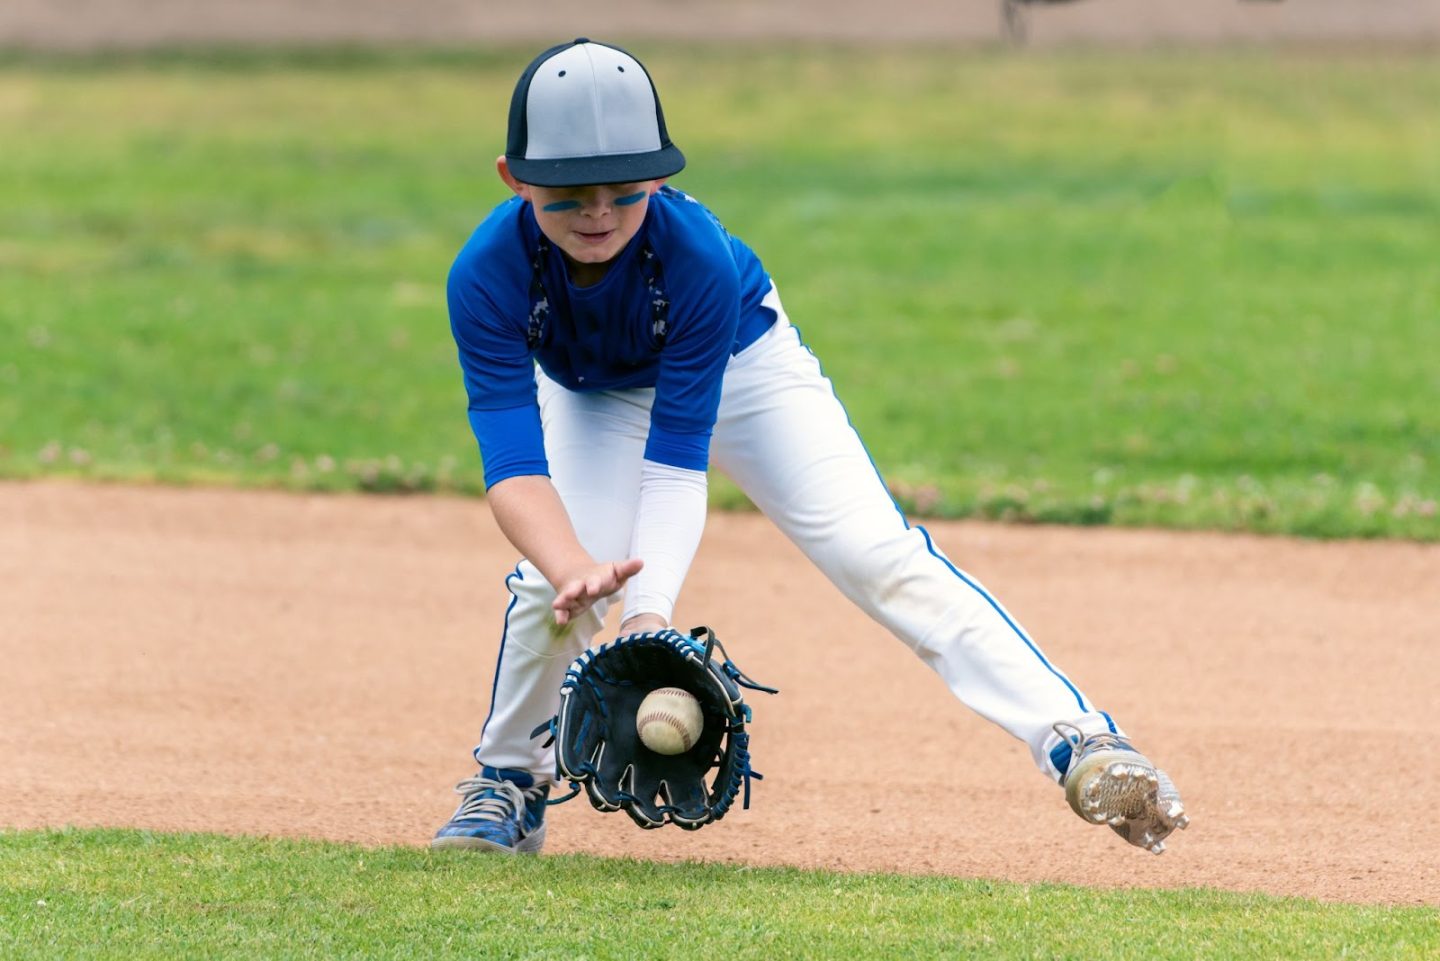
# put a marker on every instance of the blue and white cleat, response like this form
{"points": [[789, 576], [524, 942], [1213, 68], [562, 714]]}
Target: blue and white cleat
{"points": [[503, 810], [1109, 782]]}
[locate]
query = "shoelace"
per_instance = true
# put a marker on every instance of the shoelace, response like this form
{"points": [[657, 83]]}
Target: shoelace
{"points": [[1080, 744], [487, 799]]}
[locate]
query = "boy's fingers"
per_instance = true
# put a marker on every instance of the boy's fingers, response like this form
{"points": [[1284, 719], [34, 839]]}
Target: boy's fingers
{"points": [[566, 599], [578, 595]]}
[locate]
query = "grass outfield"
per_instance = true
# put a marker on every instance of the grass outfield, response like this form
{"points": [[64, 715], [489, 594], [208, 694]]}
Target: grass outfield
{"points": [[1193, 290], [123, 895]]}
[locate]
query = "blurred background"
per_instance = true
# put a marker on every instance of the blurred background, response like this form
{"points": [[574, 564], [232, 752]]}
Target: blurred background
{"points": [[90, 24], [1109, 261]]}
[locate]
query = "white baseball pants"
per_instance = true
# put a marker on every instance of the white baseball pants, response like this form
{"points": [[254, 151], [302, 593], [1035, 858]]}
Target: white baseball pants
{"points": [[784, 438]]}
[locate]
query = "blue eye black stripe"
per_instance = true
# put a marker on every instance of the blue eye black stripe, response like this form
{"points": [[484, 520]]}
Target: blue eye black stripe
{"points": [[629, 199], [560, 205]]}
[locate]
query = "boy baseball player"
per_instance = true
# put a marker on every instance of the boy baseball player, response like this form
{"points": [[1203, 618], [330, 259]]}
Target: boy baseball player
{"points": [[615, 342]]}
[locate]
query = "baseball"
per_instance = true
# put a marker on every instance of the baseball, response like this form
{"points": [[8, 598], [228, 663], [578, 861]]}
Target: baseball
{"points": [[669, 720]]}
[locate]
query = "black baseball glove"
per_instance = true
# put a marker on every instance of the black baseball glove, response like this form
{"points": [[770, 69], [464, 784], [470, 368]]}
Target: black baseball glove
{"points": [[598, 748]]}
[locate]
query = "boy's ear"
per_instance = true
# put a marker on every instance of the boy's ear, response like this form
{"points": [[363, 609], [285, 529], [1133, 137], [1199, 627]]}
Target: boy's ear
{"points": [[503, 169]]}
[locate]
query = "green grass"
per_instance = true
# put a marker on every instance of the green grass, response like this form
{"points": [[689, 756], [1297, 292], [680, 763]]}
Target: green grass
{"points": [[1194, 290], [123, 895]]}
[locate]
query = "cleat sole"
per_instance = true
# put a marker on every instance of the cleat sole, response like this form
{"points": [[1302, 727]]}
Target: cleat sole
{"points": [[530, 844], [1108, 782]]}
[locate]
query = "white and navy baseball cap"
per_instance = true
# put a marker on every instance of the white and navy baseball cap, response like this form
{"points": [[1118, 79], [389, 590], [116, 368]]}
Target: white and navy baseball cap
{"points": [[587, 113]]}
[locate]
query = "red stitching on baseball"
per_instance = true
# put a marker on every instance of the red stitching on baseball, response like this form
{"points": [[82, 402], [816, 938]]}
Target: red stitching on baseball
{"points": [[673, 721]]}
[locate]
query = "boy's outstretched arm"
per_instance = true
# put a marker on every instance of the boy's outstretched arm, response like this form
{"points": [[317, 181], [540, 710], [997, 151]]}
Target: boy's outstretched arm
{"points": [[531, 515]]}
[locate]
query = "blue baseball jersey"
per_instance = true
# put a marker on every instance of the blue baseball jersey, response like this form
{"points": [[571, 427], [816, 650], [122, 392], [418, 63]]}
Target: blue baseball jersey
{"points": [[675, 305]]}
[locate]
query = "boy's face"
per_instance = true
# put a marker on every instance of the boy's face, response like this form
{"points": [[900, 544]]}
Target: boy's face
{"points": [[591, 224]]}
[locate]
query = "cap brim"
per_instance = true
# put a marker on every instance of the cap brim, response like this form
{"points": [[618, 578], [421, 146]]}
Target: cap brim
{"points": [[614, 169]]}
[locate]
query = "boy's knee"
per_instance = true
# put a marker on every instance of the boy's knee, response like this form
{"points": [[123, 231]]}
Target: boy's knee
{"points": [[879, 560]]}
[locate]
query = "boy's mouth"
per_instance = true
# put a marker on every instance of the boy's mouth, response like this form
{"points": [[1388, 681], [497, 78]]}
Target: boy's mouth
{"points": [[598, 237]]}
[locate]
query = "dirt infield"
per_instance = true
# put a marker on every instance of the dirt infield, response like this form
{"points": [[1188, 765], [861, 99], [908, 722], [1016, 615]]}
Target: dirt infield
{"points": [[89, 24], [319, 666]]}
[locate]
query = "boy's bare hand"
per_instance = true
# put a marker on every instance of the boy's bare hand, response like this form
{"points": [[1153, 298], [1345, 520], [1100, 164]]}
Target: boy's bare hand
{"points": [[585, 587]]}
